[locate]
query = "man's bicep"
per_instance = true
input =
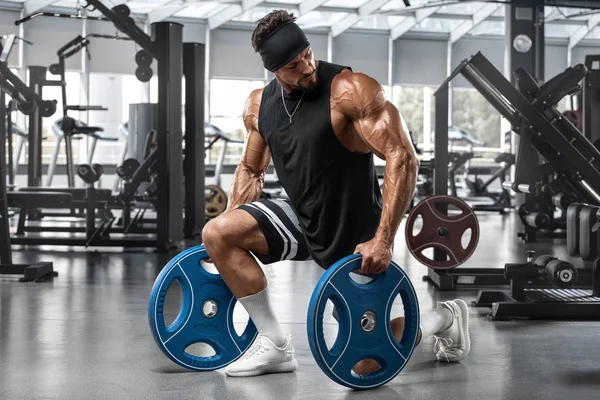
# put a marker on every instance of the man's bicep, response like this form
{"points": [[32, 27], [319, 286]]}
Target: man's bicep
{"points": [[384, 131]]}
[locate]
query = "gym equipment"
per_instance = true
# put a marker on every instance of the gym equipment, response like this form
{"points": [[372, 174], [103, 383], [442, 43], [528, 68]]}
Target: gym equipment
{"points": [[58, 15], [216, 201], [456, 163], [141, 142], [563, 274], [31, 102], [166, 47], [126, 170], [523, 301], [67, 129], [442, 231], [531, 111], [479, 188], [124, 131], [364, 323], [214, 196], [456, 134], [11, 128], [462, 278], [591, 99], [39, 271], [194, 64], [206, 314], [90, 173], [539, 213], [575, 117], [14, 152]]}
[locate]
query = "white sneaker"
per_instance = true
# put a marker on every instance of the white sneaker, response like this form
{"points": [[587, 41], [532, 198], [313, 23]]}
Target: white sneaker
{"points": [[454, 344], [263, 357]]}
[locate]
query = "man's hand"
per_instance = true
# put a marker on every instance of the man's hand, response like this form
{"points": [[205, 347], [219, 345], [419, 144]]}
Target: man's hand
{"points": [[376, 256]]}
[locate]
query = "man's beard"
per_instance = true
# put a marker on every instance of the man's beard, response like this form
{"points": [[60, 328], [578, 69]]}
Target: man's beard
{"points": [[313, 84]]}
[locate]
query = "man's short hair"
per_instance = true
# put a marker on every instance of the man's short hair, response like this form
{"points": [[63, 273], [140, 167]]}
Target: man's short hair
{"points": [[268, 24]]}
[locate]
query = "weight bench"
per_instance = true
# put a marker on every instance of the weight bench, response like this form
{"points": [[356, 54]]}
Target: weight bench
{"points": [[31, 200], [22, 199], [77, 194]]}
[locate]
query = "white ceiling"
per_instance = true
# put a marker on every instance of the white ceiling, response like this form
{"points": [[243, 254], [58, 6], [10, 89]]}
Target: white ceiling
{"points": [[438, 16]]}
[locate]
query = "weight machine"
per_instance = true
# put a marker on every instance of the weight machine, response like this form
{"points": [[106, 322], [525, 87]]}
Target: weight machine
{"points": [[28, 102], [530, 110], [11, 128], [591, 99], [478, 188], [67, 127], [166, 47]]}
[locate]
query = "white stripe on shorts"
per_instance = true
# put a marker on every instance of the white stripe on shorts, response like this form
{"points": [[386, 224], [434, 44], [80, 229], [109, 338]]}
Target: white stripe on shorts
{"points": [[292, 242]]}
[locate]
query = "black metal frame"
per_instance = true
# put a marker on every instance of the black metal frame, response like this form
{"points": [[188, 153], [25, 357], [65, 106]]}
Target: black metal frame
{"points": [[167, 50], [193, 69], [166, 47], [525, 301], [37, 78], [552, 135], [561, 144], [476, 278], [591, 99], [31, 272], [501, 201]]}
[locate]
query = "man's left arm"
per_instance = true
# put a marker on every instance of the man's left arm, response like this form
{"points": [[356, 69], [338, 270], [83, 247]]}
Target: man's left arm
{"points": [[383, 131]]}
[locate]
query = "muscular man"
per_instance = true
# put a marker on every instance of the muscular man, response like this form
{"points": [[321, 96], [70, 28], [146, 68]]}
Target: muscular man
{"points": [[320, 123]]}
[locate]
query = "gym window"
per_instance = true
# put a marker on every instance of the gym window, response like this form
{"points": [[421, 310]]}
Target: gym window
{"points": [[227, 99], [472, 113], [416, 105]]}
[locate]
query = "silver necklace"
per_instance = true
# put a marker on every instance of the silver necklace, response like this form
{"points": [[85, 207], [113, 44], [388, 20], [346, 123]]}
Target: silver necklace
{"points": [[295, 109]]}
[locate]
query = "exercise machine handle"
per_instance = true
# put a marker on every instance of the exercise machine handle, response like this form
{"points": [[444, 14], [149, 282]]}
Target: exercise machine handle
{"points": [[518, 188]]}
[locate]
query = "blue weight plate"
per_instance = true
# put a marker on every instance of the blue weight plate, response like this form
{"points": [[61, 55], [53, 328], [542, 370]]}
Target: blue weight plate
{"points": [[213, 326], [357, 340]]}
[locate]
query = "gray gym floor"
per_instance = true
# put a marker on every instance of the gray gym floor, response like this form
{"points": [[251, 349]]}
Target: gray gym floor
{"points": [[85, 335]]}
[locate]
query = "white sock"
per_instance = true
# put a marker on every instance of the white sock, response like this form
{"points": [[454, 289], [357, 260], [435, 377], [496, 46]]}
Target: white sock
{"points": [[435, 321], [260, 311]]}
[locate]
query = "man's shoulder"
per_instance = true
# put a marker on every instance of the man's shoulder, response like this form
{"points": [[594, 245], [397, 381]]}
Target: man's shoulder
{"points": [[348, 80], [255, 96]]}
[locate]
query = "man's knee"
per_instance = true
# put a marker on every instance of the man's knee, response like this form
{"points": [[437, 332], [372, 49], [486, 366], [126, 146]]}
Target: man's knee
{"points": [[215, 232], [234, 229]]}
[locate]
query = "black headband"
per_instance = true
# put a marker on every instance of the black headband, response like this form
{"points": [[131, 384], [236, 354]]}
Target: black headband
{"points": [[282, 46]]}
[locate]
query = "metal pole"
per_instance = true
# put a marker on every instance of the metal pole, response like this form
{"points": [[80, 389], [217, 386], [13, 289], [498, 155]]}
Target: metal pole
{"points": [[5, 249], [169, 41], [207, 73], [37, 75], [194, 171]]}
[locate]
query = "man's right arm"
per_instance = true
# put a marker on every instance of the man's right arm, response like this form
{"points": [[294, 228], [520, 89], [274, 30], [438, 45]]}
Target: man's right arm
{"points": [[249, 175]]}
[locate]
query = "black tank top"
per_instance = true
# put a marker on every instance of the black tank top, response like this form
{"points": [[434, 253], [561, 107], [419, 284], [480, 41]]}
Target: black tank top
{"points": [[334, 192]]}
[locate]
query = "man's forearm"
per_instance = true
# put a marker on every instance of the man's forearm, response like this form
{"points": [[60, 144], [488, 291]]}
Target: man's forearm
{"points": [[247, 187], [399, 183]]}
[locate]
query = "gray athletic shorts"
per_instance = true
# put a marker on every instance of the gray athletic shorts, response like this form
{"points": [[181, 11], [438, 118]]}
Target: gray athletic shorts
{"points": [[280, 225]]}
